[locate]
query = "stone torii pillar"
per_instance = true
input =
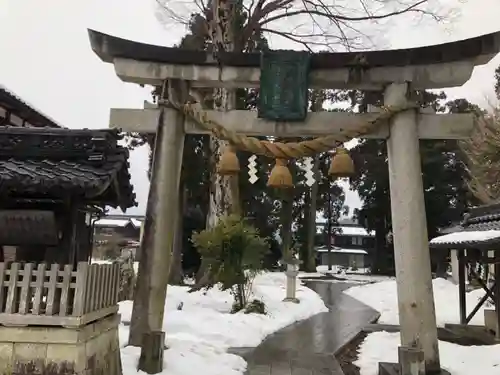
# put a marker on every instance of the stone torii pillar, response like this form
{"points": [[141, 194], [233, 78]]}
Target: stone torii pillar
{"points": [[398, 73], [417, 315]]}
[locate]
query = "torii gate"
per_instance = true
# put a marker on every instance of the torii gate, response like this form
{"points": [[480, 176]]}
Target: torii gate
{"points": [[397, 72]]}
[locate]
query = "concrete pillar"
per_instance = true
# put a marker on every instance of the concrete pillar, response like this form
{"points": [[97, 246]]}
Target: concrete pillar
{"points": [[164, 196], [417, 315]]}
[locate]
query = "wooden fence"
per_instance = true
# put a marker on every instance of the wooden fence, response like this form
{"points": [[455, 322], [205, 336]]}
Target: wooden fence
{"points": [[57, 295]]}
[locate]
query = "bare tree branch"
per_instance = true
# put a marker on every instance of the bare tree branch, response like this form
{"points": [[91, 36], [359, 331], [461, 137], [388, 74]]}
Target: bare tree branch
{"points": [[329, 15], [313, 24]]}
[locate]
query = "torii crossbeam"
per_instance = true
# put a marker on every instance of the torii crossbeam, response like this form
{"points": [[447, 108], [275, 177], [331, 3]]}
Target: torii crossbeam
{"points": [[396, 72]]}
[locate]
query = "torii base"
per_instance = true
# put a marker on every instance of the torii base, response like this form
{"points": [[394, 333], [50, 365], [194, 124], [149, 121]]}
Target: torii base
{"points": [[387, 368], [411, 362], [153, 346]]}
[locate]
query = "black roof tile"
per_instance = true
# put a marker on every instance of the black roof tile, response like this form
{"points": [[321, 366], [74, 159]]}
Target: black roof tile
{"points": [[478, 219], [83, 164]]}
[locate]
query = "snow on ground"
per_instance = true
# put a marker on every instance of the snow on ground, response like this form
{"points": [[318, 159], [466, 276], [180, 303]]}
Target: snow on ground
{"points": [[383, 297], [457, 359], [199, 335], [383, 346]]}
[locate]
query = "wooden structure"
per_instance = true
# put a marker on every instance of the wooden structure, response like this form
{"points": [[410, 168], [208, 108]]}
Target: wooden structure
{"points": [[398, 73], [477, 240], [52, 183], [58, 313], [55, 295]]}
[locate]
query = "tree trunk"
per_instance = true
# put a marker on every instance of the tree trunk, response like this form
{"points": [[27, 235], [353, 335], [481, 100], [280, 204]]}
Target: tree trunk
{"points": [[380, 262], [329, 236], [304, 244], [176, 267], [309, 264], [286, 223], [223, 12], [222, 36]]}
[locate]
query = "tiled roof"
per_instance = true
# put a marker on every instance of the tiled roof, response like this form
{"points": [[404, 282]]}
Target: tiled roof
{"points": [[61, 167], [479, 229], [25, 110]]}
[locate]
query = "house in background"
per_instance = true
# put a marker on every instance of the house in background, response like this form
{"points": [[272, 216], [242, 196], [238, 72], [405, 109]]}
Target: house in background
{"points": [[352, 245], [127, 227], [353, 259], [123, 230]]}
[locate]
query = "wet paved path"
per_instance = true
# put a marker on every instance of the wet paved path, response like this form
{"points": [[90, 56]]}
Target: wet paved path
{"points": [[309, 347]]}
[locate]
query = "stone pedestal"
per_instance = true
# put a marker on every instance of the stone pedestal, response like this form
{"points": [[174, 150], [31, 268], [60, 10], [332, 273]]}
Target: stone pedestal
{"points": [[88, 350]]}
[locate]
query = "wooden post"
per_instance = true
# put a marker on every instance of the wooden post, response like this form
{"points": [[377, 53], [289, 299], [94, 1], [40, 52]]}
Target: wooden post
{"points": [[461, 286], [164, 194], [496, 293], [417, 315], [454, 265]]}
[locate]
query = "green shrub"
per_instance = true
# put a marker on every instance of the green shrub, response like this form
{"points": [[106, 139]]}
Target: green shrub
{"points": [[234, 253]]}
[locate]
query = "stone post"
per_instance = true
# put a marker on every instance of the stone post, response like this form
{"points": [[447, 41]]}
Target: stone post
{"points": [[164, 194], [292, 271], [417, 315]]}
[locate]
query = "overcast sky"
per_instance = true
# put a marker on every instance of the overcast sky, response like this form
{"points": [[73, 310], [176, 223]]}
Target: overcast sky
{"points": [[46, 58]]}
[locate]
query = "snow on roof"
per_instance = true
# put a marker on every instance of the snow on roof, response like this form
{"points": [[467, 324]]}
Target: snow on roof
{"points": [[354, 231], [341, 250], [111, 223], [16, 97], [467, 236], [347, 231]]}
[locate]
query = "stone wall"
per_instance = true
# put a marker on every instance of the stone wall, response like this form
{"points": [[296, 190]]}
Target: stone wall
{"points": [[89, 350]]}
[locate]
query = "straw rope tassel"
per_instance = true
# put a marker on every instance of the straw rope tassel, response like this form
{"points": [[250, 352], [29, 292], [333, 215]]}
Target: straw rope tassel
{"points": [[280, 176], [229, 164], [342, 164]]}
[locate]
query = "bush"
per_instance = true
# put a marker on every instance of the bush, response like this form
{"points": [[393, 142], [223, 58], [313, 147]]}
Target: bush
{"points": [[235, 254], [256, 307]]}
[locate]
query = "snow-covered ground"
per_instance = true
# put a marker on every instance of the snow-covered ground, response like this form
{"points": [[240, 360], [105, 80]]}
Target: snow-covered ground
{"points": [[383, 297], [457, 359], [199, 335], [383, 346]]}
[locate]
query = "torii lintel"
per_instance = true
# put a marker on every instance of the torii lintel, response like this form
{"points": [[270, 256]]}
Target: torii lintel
{"points": [[436, 66]]}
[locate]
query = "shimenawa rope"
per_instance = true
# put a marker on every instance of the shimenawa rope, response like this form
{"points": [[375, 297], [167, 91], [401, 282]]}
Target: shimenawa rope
{"points": [[289, 150]]}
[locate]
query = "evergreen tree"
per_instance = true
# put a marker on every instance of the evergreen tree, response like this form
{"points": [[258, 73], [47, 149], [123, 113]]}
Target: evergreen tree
{"points": [[443, 172], [481, 152], [497, 82]]}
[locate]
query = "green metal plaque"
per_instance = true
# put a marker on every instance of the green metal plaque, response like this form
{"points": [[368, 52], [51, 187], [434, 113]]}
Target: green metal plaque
{"points": [[284, 82]]}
